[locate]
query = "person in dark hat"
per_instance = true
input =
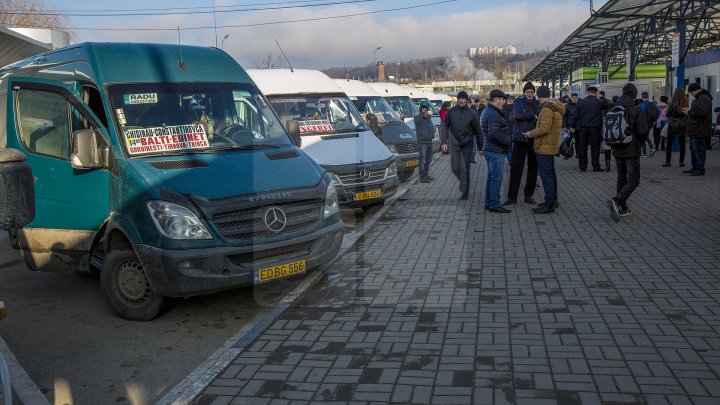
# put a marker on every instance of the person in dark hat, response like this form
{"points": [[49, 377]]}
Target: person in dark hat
{"points": [[587, 125], [698, 127], [497, 142], [627, 156], [462, 124], [424, 132], [525, 112]]}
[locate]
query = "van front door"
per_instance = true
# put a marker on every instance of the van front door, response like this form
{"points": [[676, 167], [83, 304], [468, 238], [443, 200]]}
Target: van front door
{"points": [[71, 204]]}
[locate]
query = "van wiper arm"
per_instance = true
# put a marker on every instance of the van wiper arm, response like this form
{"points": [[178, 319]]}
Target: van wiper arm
{"points": [[254, 146]]}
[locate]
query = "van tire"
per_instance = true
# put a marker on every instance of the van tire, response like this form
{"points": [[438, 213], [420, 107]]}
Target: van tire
{"points": [[373, 208], [405, 176], [126, 287]]}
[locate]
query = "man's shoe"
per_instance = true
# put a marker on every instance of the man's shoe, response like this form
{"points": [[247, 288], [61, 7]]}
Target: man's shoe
{"points": [[625, 212], [500, 210], [652, 152], [666, 165], [614, 209], [597, 169], [542, 204], [688, 171], [543, 210], [425, 180], [430, 178], [529, 200], [682, 164], [697, 173], [508, 202], [464, 196], [583, 170]]}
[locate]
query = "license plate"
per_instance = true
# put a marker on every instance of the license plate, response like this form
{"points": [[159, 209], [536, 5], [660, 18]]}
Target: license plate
{"points": [[368, 195], [412, 163], [281, 271]]}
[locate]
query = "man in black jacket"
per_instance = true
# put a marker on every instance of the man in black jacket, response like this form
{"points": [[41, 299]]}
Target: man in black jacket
{"points": [[587, 122], [424, 131], [462, 124], [627, 157], [698, 127]]}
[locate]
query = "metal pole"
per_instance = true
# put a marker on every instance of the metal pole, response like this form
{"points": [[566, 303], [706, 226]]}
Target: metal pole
{"points": [[374, 63], [680, 70]]}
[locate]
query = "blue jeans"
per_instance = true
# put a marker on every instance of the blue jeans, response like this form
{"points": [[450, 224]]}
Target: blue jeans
{"points": [[546, 168], [496, 169], [698, 146], [628, 179], [426, 154]]}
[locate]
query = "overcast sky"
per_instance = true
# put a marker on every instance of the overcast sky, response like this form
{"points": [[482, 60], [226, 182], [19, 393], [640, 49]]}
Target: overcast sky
{"points": [[422, 28]]}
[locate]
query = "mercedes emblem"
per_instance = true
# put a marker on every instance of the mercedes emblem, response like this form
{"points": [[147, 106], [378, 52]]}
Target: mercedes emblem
{"points": [[275, 219], [364, 174]]}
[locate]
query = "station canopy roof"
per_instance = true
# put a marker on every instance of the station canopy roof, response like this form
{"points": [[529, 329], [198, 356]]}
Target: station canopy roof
{"points": [[648, 24], [16, 47]]}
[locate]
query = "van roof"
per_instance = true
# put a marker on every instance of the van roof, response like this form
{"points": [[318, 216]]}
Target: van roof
{"points": [[356, 88], [299, 81], [118, 62], [389, 89]]}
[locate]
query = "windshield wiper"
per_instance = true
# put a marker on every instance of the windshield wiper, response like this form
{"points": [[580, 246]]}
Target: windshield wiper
{"points": [[254, 146]]}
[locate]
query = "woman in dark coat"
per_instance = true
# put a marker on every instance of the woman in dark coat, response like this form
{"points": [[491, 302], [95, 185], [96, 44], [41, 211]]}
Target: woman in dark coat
{"points": [[676, 119]]}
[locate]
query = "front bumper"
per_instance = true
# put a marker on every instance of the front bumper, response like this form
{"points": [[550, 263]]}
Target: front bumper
{"points": [[407, 162], [347, 194], [223, 268]]}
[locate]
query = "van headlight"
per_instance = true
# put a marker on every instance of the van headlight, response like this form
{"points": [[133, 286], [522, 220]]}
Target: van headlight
{"points": [[392, 149], [334, 177], [331, 201], [176, 222], [391, 170]]}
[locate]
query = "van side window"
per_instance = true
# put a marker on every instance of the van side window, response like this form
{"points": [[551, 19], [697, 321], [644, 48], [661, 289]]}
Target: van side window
{"points": [[43, 123], [91, 97]]}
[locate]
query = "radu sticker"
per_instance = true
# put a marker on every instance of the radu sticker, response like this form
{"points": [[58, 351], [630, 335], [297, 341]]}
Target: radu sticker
{"points": [[164, 139], [141, 98], [315, 126]]}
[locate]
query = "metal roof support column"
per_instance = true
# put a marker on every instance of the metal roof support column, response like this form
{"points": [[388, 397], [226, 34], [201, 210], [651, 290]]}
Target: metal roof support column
{"points": [[680, 70], [633, 62], [553, 87], [561, 84]]}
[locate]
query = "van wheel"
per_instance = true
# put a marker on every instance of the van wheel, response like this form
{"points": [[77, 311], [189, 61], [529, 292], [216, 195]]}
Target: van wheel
{"points": [[404, 176], [373, 208], [126, 287]]}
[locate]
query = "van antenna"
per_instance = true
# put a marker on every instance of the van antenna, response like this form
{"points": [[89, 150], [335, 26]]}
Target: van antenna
{"points": [[283, 52], [182, 65]]}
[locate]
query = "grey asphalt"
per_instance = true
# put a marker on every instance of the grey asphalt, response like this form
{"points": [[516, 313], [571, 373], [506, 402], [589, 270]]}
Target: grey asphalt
{"points": [[442, 302]]}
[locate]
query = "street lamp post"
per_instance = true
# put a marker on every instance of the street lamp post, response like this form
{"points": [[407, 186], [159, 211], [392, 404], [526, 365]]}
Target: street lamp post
{"points": [[222, 44], [374, 66]]}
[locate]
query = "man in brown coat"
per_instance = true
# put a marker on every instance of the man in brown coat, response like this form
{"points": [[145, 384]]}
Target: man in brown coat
{"points": [[546, 137]]}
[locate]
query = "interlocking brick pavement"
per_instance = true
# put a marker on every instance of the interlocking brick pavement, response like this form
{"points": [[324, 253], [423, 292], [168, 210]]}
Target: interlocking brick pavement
{"points": [[444, 303]]}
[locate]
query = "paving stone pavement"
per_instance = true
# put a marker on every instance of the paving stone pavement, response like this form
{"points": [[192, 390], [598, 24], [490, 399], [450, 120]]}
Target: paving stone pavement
{"points": [[444, 303]]}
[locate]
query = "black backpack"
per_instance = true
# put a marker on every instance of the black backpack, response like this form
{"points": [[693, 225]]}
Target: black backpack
{"points": [[614, 125], [653, 112]]}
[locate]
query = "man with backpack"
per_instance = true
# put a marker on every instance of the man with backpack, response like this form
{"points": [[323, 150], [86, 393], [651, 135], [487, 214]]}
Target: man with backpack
{"points": [[625, 130], [652, 113]]}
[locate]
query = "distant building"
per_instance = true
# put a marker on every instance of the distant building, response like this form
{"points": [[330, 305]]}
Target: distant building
{"points": [[510, 50], [491, 51]]}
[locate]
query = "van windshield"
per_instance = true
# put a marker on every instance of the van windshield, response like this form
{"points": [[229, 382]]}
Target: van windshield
{"points": [[318, 114], [184, 118], [378, 106], [404, 106], [431, 107]]}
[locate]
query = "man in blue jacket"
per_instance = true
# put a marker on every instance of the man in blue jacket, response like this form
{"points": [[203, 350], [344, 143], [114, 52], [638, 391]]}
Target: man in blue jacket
{"points": [[587, 123], [498, 138], [462, 124], [525, 112]]}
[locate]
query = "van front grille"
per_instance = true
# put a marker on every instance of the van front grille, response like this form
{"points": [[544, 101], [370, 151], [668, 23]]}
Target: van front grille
{"points": [[357, 177], [251, 224], [403, 148]]}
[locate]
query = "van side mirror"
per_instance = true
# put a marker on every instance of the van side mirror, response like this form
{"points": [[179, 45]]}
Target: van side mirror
{"points": [[90, 151], [293, 128]]}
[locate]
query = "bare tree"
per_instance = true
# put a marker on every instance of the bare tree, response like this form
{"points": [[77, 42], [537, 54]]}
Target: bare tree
{"points": [[24, 14], [270, 63]]}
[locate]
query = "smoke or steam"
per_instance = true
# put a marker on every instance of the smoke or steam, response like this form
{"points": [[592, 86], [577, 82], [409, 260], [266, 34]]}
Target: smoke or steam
{"points": [[461, 67]]}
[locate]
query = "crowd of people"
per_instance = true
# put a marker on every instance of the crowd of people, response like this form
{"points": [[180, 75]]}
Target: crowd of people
{"points": [[527, 131]]}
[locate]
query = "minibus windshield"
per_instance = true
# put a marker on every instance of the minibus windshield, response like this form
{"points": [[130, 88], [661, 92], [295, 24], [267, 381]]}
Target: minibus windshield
{"points": [[424, 101], [403, 105], [378, 106], [184, 118], [318, 114]]}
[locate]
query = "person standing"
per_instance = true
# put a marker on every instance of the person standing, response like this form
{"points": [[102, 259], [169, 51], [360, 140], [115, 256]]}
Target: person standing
{"points": [[508, 110], [478, 108], [651, 115], [676, 122], [587, 122], [525, 112], [662, 106], [461, 125], [546, 139], [698, 128], [424, 131], [627, 156], [568, 117], [498, 138]]}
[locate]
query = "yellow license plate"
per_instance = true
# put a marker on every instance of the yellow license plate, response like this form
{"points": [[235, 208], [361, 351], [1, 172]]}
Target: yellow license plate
{"points": [[281, 271], [412, 163], [368, 195]]}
